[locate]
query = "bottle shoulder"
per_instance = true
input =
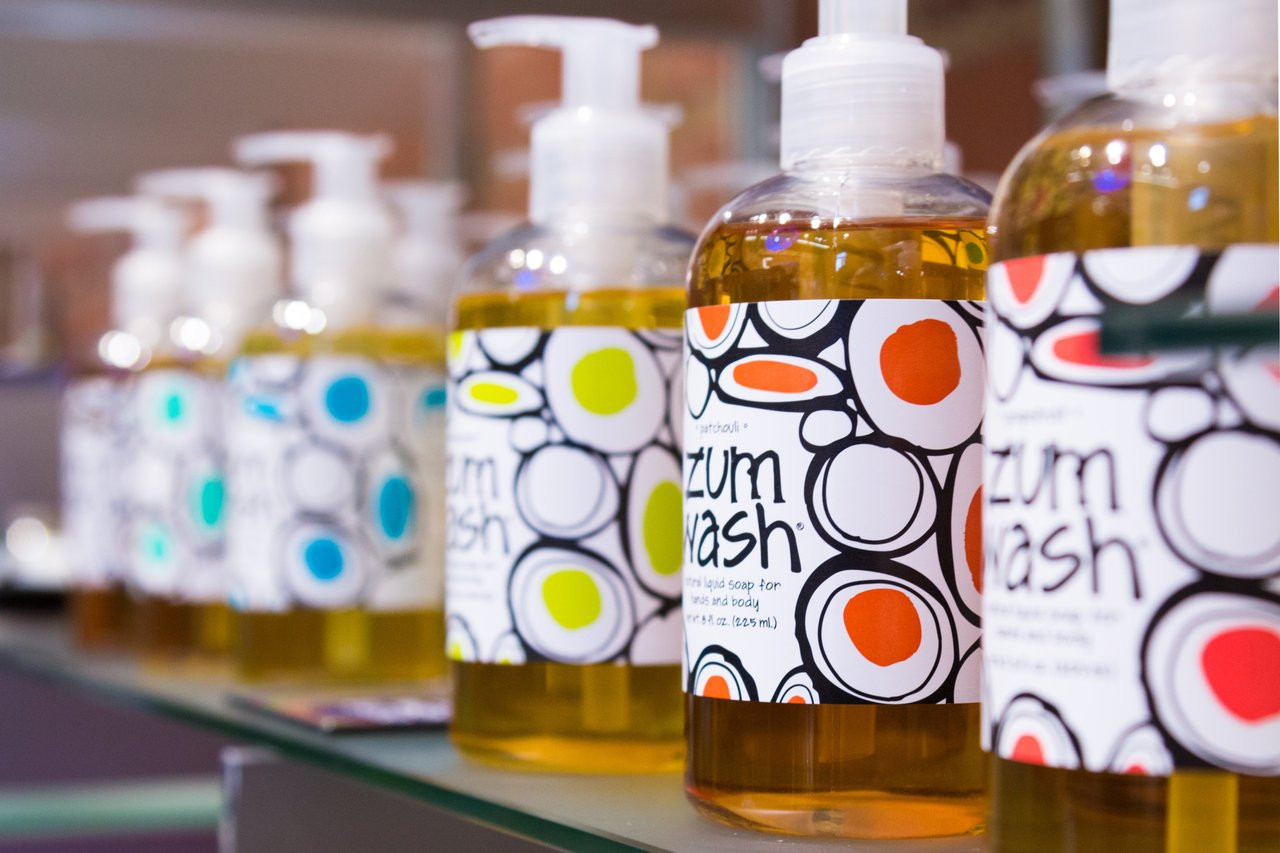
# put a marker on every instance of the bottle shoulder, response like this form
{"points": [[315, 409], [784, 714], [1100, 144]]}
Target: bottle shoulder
{"points": [[1144, 170], [578, 257]]}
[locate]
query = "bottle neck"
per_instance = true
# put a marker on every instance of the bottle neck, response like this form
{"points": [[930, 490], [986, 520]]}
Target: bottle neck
{"points": [[914, 164], [1202, 97]]}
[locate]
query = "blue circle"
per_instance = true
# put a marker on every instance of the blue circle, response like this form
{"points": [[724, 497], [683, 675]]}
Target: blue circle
{"points": [[434, 398], [347, 399], [395, 506], [323, 558]]}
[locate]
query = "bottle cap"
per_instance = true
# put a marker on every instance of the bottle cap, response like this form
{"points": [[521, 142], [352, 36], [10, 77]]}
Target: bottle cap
{"points": [[600, 153], [427, 252], [1223, 39], [146, 282], [340, 240], [233, 265], [863, 89]]}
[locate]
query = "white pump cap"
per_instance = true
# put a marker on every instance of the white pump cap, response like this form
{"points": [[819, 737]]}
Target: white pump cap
{"points": [[1208, 39], [146, 282], [340, 240], [600, 154], [233, 265], [428, 251], [863, 89]]}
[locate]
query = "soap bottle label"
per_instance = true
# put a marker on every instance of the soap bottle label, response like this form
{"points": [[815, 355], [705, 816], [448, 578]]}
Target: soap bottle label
{"points": [[563, 489], [832, 516], [335, 472], [174, 486], [1133, 551], [92, 447]]}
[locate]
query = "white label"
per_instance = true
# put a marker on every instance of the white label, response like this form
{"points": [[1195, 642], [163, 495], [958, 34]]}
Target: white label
{"points": [[334, 474], [92, 449], [832, 472], [564, 496], [174, 490], [1132, 520]]}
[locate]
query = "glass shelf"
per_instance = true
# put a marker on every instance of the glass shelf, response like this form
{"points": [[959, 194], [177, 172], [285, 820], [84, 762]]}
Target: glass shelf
{"points": [[620, 812]]}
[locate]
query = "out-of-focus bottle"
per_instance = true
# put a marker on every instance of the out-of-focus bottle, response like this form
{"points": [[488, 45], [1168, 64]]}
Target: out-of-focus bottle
{"points": [[100, 431], [329, 539], [1132, 614], [231, 275]]}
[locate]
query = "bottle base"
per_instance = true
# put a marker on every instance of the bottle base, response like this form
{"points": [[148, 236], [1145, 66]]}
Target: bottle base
{"points": [[559, 754], [844, 814]]}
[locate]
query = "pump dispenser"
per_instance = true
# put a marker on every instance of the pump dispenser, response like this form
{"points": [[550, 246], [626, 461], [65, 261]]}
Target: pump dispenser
{"points": [[334, 529], [427, 255], [146, 291], [233, 265], [340, 240], [95, 423], [563, 597], [1155, 204], [831, 598]]}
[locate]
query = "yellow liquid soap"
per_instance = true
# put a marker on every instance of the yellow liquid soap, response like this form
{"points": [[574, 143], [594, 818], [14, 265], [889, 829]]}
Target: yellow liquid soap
{"points": [[599, 718], [1207, 186], [357, 644], [854, 770]]}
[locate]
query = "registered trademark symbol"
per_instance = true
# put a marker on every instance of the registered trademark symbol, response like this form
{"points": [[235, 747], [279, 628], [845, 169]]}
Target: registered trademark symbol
{"points": [[799, 525]]}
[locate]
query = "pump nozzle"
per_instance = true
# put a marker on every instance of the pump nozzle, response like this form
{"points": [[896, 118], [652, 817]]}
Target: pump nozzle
{"points": [[233, 265], [146, 280], [236, 199], [346, 165], [340, 240], [600, 154], [863, 90]]}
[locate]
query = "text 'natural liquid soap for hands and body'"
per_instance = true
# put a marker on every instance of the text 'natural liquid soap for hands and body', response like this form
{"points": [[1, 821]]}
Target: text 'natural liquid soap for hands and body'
{"points": [[563, 566], [833, 411], [330, 538], [1132, 689]]}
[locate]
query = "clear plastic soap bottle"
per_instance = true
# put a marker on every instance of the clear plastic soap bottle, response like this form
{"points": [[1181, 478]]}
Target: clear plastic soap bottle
{"points": [[563, 558], [232, 269], [1132, 691], [327, 445], [100, 489], [832, 460]]}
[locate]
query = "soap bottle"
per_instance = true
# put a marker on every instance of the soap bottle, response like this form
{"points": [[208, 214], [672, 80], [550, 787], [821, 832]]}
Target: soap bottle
{"points": [[1132, 675], [232, 271], [832, 460], [99, 424], [326, 445], [563, 472]]}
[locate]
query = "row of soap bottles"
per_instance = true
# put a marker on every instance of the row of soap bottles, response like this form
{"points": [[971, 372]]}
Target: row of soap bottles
{"points": [[173, 467], [861, 267]]}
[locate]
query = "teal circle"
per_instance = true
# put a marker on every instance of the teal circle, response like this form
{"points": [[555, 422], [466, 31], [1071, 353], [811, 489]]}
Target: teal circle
{"points": [[155, 544], [347, 399], [211, 496], [323, 558], [395, 507], [172, 407]]}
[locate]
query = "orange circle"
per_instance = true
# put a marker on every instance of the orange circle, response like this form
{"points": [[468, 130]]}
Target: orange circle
{"points": [[797, 700], [716, 688], [1028, 751], [713, 319], [778, 376], [920, 362], [973, 539], [883, 625]]}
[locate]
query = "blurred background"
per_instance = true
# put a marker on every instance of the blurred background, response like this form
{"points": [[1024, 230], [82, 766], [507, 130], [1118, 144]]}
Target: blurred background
{"points": [[93, 92]]}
